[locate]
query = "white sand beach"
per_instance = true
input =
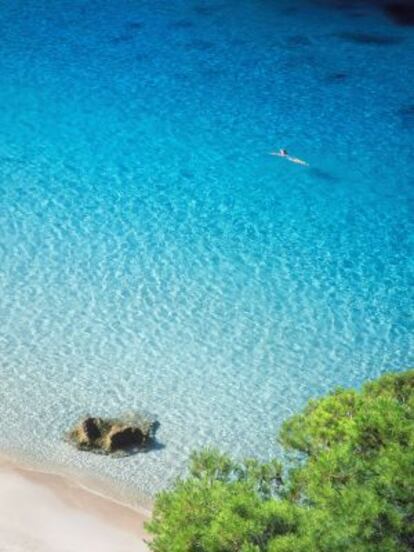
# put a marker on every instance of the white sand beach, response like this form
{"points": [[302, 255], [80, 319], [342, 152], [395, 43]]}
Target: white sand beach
{"points": [[48, 513]]}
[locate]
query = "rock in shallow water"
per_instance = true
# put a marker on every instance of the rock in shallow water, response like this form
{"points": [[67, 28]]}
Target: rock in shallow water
{"points": [[129, 433]]}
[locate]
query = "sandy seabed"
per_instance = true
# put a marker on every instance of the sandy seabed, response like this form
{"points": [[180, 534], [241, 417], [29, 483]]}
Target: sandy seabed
{"points": [[41, 512]]}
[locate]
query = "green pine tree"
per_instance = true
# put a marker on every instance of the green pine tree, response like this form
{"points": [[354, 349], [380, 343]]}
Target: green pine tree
{"points": [[350, 487]]}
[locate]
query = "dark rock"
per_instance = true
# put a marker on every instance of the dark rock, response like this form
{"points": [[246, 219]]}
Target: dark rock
{"points": [[113, 435], [87, 434], [121, 438], [92, 428]]}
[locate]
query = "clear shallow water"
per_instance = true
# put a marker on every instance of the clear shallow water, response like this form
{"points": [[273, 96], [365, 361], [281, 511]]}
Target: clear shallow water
{"points": [[155, 257]]}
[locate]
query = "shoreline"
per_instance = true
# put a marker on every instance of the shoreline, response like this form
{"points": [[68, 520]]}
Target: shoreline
{"points": [[46, 512]]}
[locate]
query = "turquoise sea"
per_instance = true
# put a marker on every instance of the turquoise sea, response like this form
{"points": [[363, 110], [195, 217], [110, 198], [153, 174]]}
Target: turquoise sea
{"points": [[155, 257]]}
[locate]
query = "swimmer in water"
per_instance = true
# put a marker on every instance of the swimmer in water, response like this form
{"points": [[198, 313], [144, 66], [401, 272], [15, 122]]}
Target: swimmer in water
{"points": [[284, 153]]}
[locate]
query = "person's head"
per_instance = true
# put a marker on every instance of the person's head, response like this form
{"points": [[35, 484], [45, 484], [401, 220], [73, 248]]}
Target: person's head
{"points": [[283, 151]]}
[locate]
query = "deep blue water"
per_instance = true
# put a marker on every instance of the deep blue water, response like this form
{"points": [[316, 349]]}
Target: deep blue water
{"points": [[155, 257]]}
